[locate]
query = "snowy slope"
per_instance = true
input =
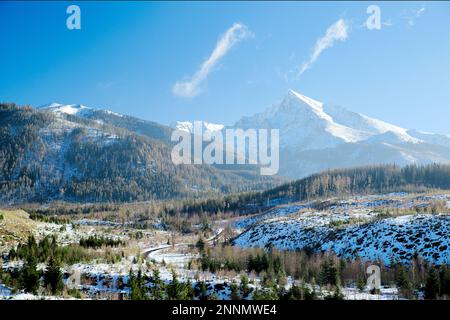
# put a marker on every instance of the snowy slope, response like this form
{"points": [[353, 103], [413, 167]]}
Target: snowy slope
{"points": [[433, 138], [72, 109], [303, 124], [307, 124], [367, 124], [64, 146], [188, 126], [107, 117], [394, 238], [315, 136], [399, 238], [353, 228]]}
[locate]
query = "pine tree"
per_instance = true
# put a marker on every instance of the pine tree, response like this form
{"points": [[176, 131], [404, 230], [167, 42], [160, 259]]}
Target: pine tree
{"points": [[190, 293], [200, 245], [30, 275], [294, 293], [432, 284], [234, 295], [308, 294], [361, 284], [157, 286], [403, 282], [329, 274], [53, 277], [177, 290], [202, 291], [444, 275], [137, 286], [245, 289]]}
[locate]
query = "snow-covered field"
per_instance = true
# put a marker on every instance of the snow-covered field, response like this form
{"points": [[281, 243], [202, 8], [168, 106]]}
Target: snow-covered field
{"points": [[355, 227]]}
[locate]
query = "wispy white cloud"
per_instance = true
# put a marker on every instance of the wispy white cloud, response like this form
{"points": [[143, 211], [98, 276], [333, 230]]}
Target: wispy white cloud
{"points": [[192, 86], [336, 32]]}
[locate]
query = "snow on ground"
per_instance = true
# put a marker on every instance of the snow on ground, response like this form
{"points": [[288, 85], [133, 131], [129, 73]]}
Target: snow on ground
{"points": [[400, 238], [386, 293], [275, 212], [354, 227]]}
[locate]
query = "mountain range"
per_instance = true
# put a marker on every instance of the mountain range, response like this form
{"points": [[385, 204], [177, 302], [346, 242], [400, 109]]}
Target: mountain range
{"points": [[315, 136], [77, 153]]}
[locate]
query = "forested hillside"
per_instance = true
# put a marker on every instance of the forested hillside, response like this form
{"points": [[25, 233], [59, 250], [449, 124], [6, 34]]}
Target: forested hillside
{"points": [[46, 156], [342, 182]]}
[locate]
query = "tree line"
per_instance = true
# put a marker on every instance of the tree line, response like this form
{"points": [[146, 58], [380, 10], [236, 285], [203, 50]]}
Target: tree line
{"points": [[331, 183]]}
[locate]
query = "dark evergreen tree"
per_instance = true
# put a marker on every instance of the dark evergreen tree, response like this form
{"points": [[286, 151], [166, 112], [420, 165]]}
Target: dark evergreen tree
{"points": [[234, 294], [157, 286], [30, 275], [432, 284], [444, 276], [53, 277], [329, 273], [138, 290]]}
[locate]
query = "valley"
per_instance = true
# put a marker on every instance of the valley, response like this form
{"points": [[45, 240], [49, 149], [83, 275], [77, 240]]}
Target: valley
{"points": [[93, 207], [282, 252]]}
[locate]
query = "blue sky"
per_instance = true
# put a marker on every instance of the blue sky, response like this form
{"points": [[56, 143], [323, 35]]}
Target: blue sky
{"points": [[128, 56]]}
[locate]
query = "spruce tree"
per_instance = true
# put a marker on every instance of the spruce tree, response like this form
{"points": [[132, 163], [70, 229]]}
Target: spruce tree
{"points": [[177, 290], [444, 275], [403, 282], [361, 284], [137, 286], [432, 284], [245, 289], [157, 286], [30, 275], [53, 277], [234, 295], [329, 274], [203, 294]]}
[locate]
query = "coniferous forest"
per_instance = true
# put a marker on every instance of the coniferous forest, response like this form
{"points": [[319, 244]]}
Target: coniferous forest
{"points": [[44, 158]]}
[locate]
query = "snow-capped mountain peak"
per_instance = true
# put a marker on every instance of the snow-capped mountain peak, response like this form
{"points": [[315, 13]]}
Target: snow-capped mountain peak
{"points": [[317, 136], [307, 124], [72, 109], [303, 124], [316, 105]]}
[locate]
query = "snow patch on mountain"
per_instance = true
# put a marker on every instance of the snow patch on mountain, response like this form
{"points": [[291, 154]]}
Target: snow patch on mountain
{"points": [[433, 138], [76, 109], [72, 109], [188, 126]]}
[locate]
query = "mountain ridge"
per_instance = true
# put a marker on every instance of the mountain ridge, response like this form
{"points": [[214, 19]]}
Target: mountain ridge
{"points": [[315, 136], [48, 155]]}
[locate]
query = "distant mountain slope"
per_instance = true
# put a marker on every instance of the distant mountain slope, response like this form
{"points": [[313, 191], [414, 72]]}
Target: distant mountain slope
{"points": [[315, 136], [147, 128], [81, 154]]}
